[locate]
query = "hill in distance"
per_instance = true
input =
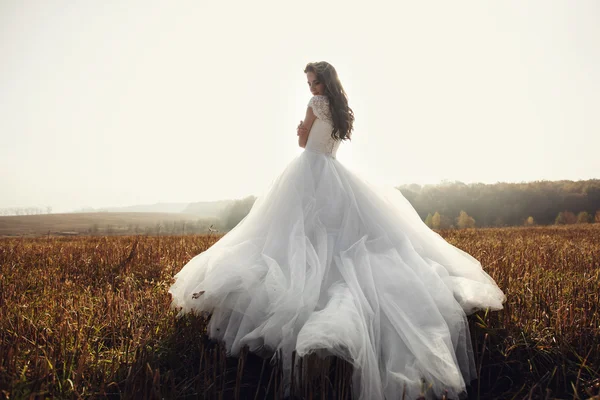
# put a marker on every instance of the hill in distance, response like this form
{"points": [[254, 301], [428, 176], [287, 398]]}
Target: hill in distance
{"points": [[200, 208]]}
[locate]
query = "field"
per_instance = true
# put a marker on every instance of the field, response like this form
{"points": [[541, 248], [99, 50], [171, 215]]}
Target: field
{"points": [[102, 223], [89, 317]]}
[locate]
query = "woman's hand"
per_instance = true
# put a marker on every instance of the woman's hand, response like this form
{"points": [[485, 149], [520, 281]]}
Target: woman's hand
{"points": [[301, 130]]}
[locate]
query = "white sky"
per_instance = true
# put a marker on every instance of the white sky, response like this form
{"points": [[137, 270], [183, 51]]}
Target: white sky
{"points": [[111, 103]]}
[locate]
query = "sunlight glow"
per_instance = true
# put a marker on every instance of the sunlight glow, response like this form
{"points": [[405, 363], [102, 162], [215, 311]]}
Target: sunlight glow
{"points": [[107, 104]]}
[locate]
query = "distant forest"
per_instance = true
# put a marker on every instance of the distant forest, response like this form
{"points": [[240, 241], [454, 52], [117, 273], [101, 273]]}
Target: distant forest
{"points": [[506, 204], [460, 205]]}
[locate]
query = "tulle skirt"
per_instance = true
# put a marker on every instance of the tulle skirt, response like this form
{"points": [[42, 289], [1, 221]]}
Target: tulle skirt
{"points": [[326, 261]]}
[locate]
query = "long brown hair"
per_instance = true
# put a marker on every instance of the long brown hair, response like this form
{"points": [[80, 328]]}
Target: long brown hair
{"points": [[341, 114]]}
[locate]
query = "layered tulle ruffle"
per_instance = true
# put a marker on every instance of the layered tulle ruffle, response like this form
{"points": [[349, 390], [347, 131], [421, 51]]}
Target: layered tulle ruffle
{"points": [[326, 260]]}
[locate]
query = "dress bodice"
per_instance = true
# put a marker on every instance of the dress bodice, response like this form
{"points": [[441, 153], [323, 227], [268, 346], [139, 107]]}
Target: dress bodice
{"points": [[319, 137]]}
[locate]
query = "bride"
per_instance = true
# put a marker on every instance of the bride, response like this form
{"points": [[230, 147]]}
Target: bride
{"points": [[326, 261]]}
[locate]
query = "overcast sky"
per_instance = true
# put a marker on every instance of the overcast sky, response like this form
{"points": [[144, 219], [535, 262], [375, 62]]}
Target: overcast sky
{"points": [[112, 103]]}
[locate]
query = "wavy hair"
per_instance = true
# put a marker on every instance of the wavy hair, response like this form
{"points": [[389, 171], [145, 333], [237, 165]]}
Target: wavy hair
{"points": [[341, 114]]}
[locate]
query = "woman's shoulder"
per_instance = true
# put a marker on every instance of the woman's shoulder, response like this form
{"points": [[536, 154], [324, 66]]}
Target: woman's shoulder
{"points": [[318, 99], [320, 107]]}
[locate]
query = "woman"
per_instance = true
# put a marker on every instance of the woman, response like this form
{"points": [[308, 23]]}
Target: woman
{"points": [[327, 261]]}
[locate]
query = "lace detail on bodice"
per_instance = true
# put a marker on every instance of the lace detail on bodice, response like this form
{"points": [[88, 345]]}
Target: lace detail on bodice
{"points": [[320, 106], [319, 138]]}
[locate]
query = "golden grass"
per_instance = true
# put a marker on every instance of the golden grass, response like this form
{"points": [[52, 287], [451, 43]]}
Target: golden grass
{"points": [[90, 317]]}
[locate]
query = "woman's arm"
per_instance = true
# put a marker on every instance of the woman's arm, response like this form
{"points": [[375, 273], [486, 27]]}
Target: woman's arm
{"points": [[304, 128]]}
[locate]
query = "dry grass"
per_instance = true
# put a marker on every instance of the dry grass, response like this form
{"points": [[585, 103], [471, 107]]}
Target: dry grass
{"points": [[89, 317]]}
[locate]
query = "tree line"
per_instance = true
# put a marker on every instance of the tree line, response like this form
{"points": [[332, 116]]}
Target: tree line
{"points": [[450, 205], [456, 204], [460, 205], [25, 210]]}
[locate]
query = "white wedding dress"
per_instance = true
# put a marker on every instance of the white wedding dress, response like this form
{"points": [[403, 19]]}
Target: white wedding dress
{"points": [[326, 260]]}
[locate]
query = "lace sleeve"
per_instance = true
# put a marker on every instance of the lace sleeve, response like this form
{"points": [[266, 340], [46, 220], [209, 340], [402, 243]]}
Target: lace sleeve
{"points": [[320, 106]]}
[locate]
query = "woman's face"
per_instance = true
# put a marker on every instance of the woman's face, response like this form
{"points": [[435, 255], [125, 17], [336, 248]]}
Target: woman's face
{"points": [[316, 87]]}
